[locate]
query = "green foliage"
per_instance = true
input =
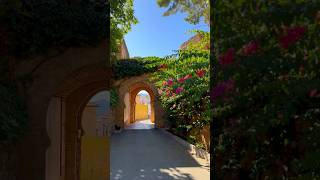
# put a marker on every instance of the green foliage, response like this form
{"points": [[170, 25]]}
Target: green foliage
{"points": [[114, 97], [122, 18], [195, 9], [268, 122], [134, 67], [12, 115]]}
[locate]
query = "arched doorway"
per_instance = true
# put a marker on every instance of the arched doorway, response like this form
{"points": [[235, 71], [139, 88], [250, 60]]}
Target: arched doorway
{"points": [[95, 126], [131, 101], [127, 90], [142, 110], [67, 130]]}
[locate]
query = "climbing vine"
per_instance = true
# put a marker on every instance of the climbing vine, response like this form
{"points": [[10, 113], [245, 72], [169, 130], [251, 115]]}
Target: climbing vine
{"points": [[114, 97], [125, 68]]}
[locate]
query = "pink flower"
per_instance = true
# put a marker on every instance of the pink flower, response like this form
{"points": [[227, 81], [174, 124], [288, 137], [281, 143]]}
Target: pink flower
{"points": [[292, 36], [187, 77], [222, 88], [228, 57], [168, 92], [170, 82], [165, 83], [179, 90], [251, 48], [200, 72], [181, 80], [160, 91]]}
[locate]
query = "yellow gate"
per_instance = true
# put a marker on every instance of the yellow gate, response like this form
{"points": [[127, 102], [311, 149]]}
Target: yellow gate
{"points": [[94, 158], [141, 112]]}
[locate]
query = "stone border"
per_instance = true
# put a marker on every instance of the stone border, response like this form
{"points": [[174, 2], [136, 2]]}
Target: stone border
{"points": [[192, 149]]}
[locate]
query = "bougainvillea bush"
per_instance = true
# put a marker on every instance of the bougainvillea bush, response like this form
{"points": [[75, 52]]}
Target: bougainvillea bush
{"points": [[183, 85], [266, 94]]}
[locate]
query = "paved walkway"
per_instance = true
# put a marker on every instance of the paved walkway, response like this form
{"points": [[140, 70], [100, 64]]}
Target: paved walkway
{"points": [[152, 155], [144, 124]]}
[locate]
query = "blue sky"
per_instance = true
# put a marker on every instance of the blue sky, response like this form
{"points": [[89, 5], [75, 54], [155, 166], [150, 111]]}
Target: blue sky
{"points": [[155, 34]]}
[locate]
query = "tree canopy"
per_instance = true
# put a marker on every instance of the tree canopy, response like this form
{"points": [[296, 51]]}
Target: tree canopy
{"points": [[196, 9], [122, 18]]}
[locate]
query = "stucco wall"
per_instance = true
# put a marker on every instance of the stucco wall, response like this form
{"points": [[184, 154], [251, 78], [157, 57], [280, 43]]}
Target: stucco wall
{"points": [[126, 110]]}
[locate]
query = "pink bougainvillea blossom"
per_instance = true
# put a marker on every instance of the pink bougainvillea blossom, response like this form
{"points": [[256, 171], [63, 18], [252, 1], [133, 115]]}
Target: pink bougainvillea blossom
{"points": [[168, 92], [228, 57], [251, 48], [181, 80], [221, 89], [187, 77], [200, 72], [179, 90], [170, 82], [165, 83], [291, 36]]}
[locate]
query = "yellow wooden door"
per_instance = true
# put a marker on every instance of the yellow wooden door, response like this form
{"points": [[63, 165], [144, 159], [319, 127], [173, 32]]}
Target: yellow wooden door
{"points": [[94, 158]]}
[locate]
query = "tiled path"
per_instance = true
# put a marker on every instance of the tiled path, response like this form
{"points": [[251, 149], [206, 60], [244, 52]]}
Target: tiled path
{"points": [[152, 155]]}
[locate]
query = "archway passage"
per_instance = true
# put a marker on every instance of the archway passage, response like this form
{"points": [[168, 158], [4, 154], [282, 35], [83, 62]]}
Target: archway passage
{"points": [[127, 91], [95, 125], [142, 109]]}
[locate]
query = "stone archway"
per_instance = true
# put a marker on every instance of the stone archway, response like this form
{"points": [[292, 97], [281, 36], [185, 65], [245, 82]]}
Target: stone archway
{"points": [[73, 102], [128, 89], [62, 82], [134, 90]]}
